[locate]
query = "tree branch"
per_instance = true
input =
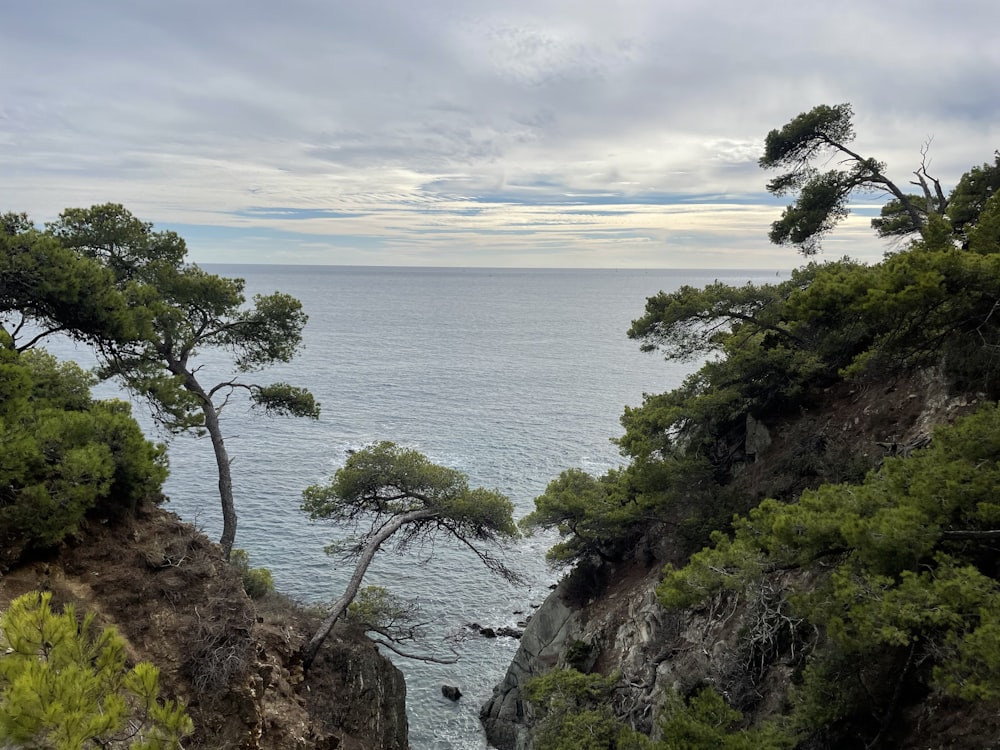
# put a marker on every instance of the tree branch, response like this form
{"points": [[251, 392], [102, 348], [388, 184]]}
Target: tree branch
{"points": [[971, 534], [418, 657]]}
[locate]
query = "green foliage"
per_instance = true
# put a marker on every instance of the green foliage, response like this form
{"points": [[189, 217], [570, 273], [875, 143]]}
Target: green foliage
{"points": [[46, 284], [140, 466], [284, 400], [588, 512], [705, 721], [601, 518], [900, 562], [175, 311], [940, 221], [257, 582], [126, 246], [900, 565], [984, 237], [693, 322], [397, 493], [64, 685], [773, 343], [967, 203], [822, 196], [63, 455], [778, 345], [821, 205], [55, 384], [773, 351], [377, 608], [575, 713], [894, 219], [195, 310], [724, 566], [384, 480], [802, 139], [270, 331]]}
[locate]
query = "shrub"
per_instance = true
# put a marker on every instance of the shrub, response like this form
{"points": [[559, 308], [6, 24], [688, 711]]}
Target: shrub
{"points": [[901, 571], [575, 713], [64, 685], [257, 582], [63, 455]]}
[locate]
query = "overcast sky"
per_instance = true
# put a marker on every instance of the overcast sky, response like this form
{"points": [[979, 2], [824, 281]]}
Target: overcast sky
{"points": [[527, 133]]}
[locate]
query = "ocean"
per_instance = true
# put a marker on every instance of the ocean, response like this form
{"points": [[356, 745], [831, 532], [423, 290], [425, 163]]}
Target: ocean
{"points": [[510, 376]]}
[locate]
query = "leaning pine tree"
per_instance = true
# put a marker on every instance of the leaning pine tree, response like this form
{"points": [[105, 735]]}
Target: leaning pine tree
{"points": [[396, 493]]}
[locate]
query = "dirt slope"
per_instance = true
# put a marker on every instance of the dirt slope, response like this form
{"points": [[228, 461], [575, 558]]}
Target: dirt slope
{"points": [[234, 662]]}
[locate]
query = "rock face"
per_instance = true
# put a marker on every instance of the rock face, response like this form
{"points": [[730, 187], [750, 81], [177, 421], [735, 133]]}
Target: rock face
{"points": [[360, 694], [235, 663], [506, 716], [621, 627]]}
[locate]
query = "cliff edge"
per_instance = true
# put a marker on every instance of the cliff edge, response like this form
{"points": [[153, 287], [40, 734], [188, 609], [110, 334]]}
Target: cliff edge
{"points": [[606, 619], [234, 662]]}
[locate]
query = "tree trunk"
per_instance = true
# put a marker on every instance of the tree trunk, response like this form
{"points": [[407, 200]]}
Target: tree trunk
{"points": [[221, 455], [881, 179], [225, 479], [364, 560]]}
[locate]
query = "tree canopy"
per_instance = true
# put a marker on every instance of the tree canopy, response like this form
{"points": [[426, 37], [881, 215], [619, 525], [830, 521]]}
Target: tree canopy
{"points": [[108, 278], [967, 204], [385, 491], [822, 196], [47, 288]]}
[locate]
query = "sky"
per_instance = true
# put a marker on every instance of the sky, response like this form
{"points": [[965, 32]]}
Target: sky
{"points": [[527, 133]]}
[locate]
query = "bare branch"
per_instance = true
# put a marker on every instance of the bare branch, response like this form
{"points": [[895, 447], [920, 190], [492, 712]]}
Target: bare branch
{"points": [[971, 534], [418, 657]]}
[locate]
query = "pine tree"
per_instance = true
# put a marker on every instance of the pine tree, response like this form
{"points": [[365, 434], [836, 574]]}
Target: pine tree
{"points": [[64, 685]]}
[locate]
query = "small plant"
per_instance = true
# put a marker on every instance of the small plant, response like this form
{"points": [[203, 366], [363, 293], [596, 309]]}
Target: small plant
{"points": [[64, 685], [257, 582], [578, 655]]}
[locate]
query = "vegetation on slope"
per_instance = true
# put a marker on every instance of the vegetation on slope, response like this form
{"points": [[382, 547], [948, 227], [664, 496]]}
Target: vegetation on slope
{"points": [[78, 488], [64, 685], [892, 567], [63, 455]]}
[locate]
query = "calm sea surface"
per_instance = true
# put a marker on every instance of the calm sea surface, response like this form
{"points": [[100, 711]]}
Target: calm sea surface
{"points": [[510, 376]]}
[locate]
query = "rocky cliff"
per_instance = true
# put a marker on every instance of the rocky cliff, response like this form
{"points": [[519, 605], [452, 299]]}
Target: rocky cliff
{"points": [[609, 620], [233, 661]]}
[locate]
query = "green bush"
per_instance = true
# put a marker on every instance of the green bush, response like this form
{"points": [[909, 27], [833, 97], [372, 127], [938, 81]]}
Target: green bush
{"points": [[706, 722], [63, 455], [64, 685], [575, 713], [257, 582]]}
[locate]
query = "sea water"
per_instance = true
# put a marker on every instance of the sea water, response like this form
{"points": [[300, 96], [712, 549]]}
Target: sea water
{"points": [[510, 376]]}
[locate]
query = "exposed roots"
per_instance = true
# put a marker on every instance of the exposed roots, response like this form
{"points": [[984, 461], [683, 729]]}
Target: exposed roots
{"points": [[221, 647]]}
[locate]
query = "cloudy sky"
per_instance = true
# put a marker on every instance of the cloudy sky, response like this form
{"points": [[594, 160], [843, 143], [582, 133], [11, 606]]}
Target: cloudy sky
{"points": [[528, 133]]}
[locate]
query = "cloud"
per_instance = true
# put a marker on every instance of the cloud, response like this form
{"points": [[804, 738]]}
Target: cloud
{"points": [[469, 133]]}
